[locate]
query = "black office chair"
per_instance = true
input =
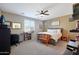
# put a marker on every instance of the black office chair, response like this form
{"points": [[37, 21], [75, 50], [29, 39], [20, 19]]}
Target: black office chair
{"points": [[14, 39]]}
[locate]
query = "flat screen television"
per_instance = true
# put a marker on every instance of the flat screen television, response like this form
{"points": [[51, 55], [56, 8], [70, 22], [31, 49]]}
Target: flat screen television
{"points": [[75, 11]]}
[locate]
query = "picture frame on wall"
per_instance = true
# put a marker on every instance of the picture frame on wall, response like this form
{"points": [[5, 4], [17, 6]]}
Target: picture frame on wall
{"points": [[55, 23], [16, 25]]}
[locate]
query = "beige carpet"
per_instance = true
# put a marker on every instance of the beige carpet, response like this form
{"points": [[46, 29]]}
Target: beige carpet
{"points": [[33, 47]]}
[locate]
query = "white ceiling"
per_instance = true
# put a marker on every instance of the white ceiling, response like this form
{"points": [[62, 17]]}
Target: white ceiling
{"points": [[30, 9]]}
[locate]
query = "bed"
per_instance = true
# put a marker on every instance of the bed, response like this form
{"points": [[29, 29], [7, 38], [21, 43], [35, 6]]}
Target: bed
{"points": [[44, 37], [55, 33]]}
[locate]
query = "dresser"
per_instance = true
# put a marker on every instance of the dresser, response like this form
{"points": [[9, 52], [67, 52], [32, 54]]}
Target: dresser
{"points": [[27, 36]]}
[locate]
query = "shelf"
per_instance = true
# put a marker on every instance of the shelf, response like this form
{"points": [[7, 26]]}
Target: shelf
{"points": [[74, 30]]}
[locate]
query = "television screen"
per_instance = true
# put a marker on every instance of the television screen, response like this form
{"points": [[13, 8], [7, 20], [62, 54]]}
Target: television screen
{"points": [[76, 11], [1, 18]]}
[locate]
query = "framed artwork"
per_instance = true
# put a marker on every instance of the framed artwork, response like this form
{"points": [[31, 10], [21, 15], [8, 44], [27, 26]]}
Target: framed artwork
{"points": [[55, 23], [8, 23], [16, 25]]}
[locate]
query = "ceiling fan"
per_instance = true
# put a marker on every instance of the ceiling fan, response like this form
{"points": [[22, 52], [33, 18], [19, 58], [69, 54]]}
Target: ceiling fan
{"points": [[43, 12]]}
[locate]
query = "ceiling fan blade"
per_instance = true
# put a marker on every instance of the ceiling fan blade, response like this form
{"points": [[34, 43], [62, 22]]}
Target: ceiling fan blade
{"points": [[46, 14], [42, 12], [45, 11]]}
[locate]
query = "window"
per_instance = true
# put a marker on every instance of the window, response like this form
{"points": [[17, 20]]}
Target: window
{"points": [[29, 25]]}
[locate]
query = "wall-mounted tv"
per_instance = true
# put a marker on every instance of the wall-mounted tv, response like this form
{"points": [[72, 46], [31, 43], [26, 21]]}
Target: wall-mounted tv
{"points": [[76, 11]]}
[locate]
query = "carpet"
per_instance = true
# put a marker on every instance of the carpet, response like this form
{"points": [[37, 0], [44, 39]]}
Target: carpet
{"points": [[34, 47]]}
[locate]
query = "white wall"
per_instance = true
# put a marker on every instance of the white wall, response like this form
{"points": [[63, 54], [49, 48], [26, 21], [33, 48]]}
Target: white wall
{"points": [[20, 19], [14, 18], [38, 28]]}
